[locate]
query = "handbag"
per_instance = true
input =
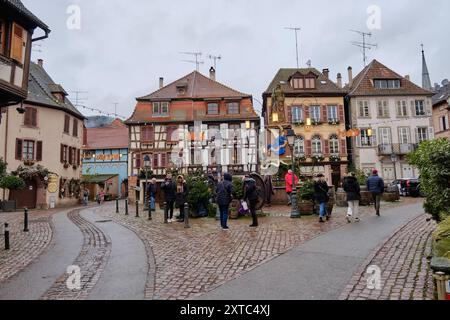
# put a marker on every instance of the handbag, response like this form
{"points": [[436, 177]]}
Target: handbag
{"points": [[244, 205]]}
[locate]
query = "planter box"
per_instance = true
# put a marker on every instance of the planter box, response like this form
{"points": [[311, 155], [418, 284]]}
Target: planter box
{"points": [[306, 208], [9, 205], [391, 196]]}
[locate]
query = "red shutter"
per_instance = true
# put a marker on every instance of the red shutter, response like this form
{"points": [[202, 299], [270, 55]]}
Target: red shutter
{"points": [[75, 128], [138, 160], [341, 113], [308, 147], [306, 112], [170, 131], [289, 114], [34, 117], [326, 146], [61, 158], [78, 157], [66, 123], [18, 149], [343, 147], [39, 151], [163, 160], [155, 160], [70, 155], [324, 113]]}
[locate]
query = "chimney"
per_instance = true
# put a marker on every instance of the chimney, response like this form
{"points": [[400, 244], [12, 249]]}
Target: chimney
{"points": [[350, 76], [212, 74], [407, 77], [40, 63], [339, 80], [161, 82], [326, 73]]}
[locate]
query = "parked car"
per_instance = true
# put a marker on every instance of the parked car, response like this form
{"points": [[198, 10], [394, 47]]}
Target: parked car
{"points": [[408, 187]]}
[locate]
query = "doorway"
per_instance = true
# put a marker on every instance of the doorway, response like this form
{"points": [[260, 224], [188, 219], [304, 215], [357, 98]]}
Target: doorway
{"points": [[26, 198], [336, 176]]}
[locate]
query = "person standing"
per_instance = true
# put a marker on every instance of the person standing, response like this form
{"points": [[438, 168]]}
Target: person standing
{"points": [[375, 185], [151, 192], [270, 191], [224, 191], [251, 196], [321, 196], [289, 185], [181, 196], [169, 188], [353, 191], [85, 196]]}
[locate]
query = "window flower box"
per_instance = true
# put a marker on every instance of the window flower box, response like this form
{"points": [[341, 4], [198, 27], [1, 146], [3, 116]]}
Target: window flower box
{"points": [[74, 166], [299, 123], [333, 122], [316, 122], [317, 158], [66, 165], [28, 162], [335, 158]]}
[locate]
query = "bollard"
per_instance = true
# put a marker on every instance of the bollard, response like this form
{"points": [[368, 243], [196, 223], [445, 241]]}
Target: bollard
{"points": [[186, 215], [126, 207], [137, 208], [25, 220], [149, 212], [6, 236], [117, 205], [165, 212]]}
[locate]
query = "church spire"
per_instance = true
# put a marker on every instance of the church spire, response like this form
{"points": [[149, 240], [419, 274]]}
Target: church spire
{"points": [[426, 82]]}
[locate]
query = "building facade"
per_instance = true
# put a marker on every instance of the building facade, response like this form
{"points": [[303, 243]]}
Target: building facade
{"points": [[392, 116], [43, 144], [194, 123], [311, 104], [441, 110], [105, 154], [17, 25]]}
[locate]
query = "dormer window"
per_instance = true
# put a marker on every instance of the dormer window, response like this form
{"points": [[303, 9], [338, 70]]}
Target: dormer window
{"points": [[387, 83], [303, 83], [160, 109], [182, 89], [59, 97]]}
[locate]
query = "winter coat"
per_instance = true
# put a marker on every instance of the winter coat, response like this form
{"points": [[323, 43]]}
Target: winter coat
{"points": [[288, 181], [224, 191], [375, 184], [321, 191], [151, 190], [169, 189], [250, 193], [351, 187], [181, 196]]}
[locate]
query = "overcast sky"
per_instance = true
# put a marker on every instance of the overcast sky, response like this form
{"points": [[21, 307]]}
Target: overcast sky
{"points": [[123, 47]]}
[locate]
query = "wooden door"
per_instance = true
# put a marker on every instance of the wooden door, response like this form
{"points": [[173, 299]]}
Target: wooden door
{"points": [[27, 196]]}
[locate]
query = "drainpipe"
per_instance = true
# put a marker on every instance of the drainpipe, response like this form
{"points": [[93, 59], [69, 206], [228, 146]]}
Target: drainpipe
{"points": [[6, 146]]}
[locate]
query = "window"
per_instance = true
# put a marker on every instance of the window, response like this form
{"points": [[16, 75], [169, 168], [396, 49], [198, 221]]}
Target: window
{"points": [[404, 135], [156, 107], [164, 108], [171, 134], [366, 140], [333, 113], [420, 107], [421, 134], [387, 84], [364, 109], [310, 83], [148, 133], [213, 108], [443, 123], [297, 114], [316, 145], [385, 136], [27, 150], [233, 108], [213, 131], [315, 113], [402, 108], [297, 83], [66, 124], [2, 37], [303, 83], [160, 108], [299, 147], [17, 43], [334, 145], [382, 109], [30, 117], [75, 128]]}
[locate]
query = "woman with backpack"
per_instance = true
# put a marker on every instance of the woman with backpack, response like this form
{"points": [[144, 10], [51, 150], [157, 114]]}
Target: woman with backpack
{"points": [[224, 192], [352, 189]]}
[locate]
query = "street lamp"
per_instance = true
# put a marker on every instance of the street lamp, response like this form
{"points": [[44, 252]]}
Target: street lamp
{"points": [[146, 166], [394, 159], [295, 213]]}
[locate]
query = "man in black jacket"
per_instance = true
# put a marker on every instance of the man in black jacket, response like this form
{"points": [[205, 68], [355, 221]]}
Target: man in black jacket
{"points": [[224, 192], [251, 196], [169, 188], [321, 196]]}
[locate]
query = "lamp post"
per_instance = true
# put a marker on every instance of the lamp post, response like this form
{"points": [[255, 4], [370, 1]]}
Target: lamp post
{"points": [[146, 166], [295, 213], [394, 159]]}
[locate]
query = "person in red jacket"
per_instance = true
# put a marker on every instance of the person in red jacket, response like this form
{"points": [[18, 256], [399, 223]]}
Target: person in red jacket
{"points": [[288, 181]]}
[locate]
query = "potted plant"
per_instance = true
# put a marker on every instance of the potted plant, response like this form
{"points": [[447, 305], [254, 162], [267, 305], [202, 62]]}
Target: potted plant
{"points": [[333, 122], [316, 122], [11, 182], [306, 198], [238, 195], [199, 195]]}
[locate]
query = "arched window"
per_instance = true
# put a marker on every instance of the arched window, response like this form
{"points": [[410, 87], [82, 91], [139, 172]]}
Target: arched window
{"points": [[299, 146], [316, 143], [334, 145]]}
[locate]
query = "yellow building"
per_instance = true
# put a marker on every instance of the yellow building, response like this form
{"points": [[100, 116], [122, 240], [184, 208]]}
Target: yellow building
{"points": [[308, 102]]}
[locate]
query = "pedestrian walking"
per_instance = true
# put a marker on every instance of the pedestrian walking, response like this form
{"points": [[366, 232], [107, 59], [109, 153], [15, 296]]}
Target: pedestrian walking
{"points": [[181, 196], [169, 188], [375, 185], [353, 191], [85, 196], [270, 190], [251, 196], [321, 196], [224, 191], [151, 193], [289, 185]]}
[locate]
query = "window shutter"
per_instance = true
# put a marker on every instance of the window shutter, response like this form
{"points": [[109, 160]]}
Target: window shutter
{"points": [[358, 141], [308, 147], [430, 133], [289, 114], [170, 134], [374, 137], [70, 155], [39, 151], [18, 149], [33, 117], [78, 157], [138, 160], [17, 43], [446, 122], [341, 113], [413, 108], [326, 146], [155, 160], [163, 160], [428, 107], [324, 113], [343, 147], [61, 154], [27, 117], [417, 135], [75, 128], [306, 112]]}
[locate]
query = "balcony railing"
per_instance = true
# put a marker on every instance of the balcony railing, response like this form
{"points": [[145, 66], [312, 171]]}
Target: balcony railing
{"points": [[396, 148]]}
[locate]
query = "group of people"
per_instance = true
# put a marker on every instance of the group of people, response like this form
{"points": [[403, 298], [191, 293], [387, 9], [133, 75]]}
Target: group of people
{"points": [[175, 194]]}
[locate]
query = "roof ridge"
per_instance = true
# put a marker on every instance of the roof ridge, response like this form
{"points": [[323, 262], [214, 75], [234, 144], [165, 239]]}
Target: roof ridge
{"points": [[223, 85], [171, 83], [367, 68]]}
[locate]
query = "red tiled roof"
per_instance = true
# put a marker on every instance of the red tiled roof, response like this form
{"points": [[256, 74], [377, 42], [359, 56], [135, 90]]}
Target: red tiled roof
{"points": [[112, 137], [362, 84]]}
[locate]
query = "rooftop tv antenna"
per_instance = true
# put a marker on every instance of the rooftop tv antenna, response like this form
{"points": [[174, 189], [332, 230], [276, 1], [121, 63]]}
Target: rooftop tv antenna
{"points": [[364, 45], [79, 100], [197, 61], [309, 63], [115, 108], [215, 58], [296, 29]]}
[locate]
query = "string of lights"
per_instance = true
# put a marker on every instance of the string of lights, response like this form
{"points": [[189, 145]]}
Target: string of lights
{"points": [[109, 114]]}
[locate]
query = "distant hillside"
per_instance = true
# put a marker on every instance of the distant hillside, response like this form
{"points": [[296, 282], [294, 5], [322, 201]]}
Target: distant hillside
{"points": [[98, 121]]}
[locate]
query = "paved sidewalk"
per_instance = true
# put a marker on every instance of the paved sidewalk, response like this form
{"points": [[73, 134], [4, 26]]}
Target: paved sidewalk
{"points": [[405, 271]]}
